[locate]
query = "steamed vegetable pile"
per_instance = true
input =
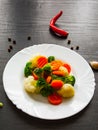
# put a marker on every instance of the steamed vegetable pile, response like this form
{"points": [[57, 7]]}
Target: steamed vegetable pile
{"points": [[49, 77]]}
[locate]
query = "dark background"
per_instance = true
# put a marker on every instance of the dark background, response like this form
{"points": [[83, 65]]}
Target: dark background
{"points": [[22, 18]]}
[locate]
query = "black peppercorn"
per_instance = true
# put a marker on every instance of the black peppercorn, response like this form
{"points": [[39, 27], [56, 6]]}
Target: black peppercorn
{"points": [[10, 47], [14, 42], [77, 47], [9, 50], [69, 42], [9, 39], [28, 38], [71, 48]]}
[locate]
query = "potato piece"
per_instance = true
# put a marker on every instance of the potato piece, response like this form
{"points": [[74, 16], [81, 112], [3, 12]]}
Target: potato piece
{"points": [[66, 91]]}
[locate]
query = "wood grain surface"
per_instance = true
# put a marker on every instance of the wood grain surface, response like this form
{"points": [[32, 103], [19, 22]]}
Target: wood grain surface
{"points": [[22, 18]]}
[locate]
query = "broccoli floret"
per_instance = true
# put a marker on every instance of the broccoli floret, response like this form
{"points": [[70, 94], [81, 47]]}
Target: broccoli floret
{"points": [[51, 58], [70, 79], [58, 77], [28, 69], [47, 69], [41, 82], [38, 71], [45, 88], [46, 91]]}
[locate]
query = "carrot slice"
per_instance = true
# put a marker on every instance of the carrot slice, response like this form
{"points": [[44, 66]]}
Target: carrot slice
{"points": [[49, 78], [57, 84], [35, 76], [41, 61], [56, 64], [67, 66], [55, 99], [58, 72]]}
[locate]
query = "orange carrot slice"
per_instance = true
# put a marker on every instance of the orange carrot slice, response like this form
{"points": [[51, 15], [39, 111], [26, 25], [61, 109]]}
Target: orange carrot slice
{"points": [[55, 99], [41, 61], [57, 84], [67, 66], [56, 64], [35, 76], [58, 72], [49, 78]]}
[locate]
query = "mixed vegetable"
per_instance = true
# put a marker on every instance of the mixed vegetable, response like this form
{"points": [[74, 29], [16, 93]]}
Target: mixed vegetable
{"points": [[49, 77]]}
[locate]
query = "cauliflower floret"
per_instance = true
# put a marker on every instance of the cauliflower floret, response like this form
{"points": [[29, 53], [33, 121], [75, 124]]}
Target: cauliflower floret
{"points": [[29, 83], [66, 91], [62, 68]]}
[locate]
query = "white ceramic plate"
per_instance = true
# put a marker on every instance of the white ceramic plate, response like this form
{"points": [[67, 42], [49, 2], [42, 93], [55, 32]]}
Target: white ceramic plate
{"points": [[38, 106]]}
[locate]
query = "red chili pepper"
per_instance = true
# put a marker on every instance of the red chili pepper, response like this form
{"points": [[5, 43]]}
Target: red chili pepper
{"points": [[57, 30]]}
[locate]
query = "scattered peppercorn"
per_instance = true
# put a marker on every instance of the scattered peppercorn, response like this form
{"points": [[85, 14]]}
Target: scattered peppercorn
{"points": [[14, 42], [9, 50], [10, 46], [71, 48], [1, 104], [9, 39], [77, 47], [28, 38], [69, 42]]}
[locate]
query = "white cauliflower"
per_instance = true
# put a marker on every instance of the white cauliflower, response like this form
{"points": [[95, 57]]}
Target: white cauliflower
{"points": [[29, 83], [66, 91]]}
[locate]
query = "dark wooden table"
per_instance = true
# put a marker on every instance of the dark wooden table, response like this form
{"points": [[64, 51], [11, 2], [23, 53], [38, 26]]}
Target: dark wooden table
{"points": [[22, 18]]}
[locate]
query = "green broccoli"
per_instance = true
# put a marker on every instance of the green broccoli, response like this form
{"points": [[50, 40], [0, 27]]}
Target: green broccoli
{"points": [[58, 77], [28, 69], [41, 82], [47, 90], [38, 71], [47, 69], [70, 79], [51, 58]]}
